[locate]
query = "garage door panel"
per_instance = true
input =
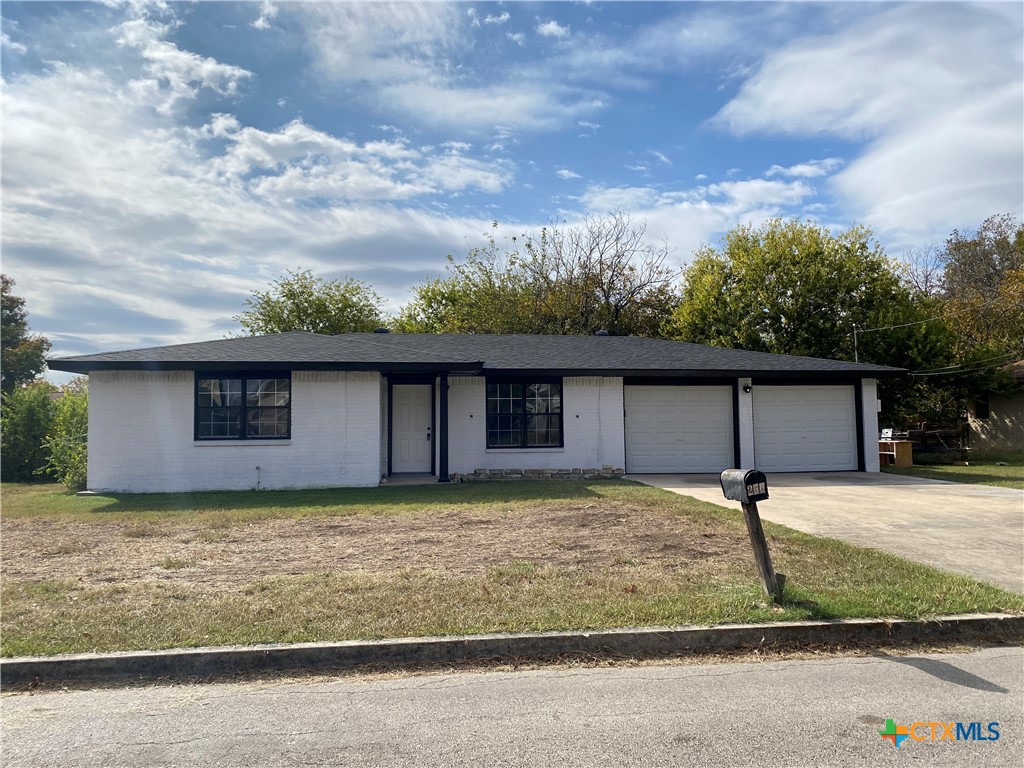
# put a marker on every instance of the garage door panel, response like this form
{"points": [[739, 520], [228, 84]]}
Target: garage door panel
{"points": [[678, 429], [805, 429]]}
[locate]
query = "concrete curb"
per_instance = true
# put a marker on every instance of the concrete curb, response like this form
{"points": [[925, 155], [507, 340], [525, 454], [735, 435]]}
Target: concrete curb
{"points": [[648, 641]]}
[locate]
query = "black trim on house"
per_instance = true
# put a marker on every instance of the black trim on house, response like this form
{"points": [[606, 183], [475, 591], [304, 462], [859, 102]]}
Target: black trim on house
{"points": [[858, 406], [243, 407], [736, 457], [406, 380], [525, 382], [442, 472]]}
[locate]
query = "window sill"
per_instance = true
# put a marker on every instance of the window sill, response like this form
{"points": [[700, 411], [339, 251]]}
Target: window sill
{"points": [[245, 443], [525, 450]]}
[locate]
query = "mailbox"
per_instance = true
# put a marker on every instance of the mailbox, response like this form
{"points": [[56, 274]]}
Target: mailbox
{"points": [[744, 485]]}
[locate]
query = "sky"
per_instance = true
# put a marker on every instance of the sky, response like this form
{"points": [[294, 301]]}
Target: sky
{"points": [[162, 161]]}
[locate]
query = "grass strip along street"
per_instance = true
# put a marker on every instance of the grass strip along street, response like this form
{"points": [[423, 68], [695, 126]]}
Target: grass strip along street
{"points": [[127, 572]]}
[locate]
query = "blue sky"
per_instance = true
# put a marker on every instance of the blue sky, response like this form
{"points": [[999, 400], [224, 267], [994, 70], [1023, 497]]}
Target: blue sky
{"points": [[163, 160]]}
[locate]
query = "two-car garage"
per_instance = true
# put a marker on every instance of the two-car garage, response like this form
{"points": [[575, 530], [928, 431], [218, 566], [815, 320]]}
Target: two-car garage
{"points": [[691, 429]]}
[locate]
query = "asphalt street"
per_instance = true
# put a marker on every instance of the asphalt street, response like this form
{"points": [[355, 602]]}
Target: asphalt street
{"points": [[786, 713]]}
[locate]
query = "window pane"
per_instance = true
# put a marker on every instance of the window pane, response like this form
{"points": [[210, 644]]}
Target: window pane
{"points": [[267, 392], [543, 431], [220, 422], [267, 422], [219, 392], [504, 430]]}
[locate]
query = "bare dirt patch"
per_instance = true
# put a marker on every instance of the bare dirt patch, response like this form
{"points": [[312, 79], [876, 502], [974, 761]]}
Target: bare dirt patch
{"points": [[604, 535]]}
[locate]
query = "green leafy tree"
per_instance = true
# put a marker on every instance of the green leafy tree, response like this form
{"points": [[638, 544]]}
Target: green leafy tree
{"points": [[22, 355], [301, 301], [67, 440], [792, 287], [601, 274], [795, 288], [26, 419], [983, 282]]}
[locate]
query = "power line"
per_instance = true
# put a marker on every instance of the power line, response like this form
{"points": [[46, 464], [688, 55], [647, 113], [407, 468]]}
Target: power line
{"points": [[939, 372], [971, 363], [933, 319]]}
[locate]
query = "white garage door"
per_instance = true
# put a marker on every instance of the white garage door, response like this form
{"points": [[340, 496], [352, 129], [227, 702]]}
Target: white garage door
{"points": [[678, 429], [804, 429]]}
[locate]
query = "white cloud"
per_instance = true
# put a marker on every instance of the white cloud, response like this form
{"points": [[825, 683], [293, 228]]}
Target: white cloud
{"points": [[565, 173], [481, 107], [690, 217], [407, 57], [659, 156], [175, 74], [6, 42], [500, 19], [127, 226], [517, 37], [935, 90], [700, 177], [474, 17], [268, 11], [552, 29], [809, 170]]}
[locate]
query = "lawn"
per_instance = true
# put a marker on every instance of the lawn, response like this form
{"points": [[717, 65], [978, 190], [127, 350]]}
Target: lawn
{"points": [[1004, 469], [106, 573]]}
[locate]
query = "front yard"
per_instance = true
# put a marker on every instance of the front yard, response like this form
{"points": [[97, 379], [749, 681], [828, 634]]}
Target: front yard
{"points": [[1004, 469], [111, 573]]}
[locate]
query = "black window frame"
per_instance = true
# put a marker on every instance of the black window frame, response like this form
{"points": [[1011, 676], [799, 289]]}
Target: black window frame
{"points": [[525, 382], [244, 377]]}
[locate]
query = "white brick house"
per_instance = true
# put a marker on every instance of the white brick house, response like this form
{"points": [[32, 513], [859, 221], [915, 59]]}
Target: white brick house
{"points": [[300, 410]]}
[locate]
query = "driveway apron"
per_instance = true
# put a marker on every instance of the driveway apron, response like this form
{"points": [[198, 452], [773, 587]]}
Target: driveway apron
{"points": [[972, 529]]}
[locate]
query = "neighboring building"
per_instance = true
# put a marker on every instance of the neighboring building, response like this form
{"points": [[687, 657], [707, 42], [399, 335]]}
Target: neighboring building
{"points": [[305, 410], [997, 420]]}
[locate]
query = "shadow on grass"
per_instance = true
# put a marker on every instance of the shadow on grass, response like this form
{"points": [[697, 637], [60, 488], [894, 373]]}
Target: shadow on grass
{"points": [[409, 497]]}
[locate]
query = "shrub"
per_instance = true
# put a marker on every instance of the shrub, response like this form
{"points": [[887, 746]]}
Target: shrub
{"points": [[67, 440], [26, 418]]}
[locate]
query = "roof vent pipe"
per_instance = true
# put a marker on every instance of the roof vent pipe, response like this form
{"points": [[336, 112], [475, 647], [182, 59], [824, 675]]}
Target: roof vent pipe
{"points": [[382, 330], [602, 332]]}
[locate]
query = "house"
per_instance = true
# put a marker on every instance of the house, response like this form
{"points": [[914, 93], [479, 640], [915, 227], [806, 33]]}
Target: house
{"points": [[304, 410], [997, 420]]}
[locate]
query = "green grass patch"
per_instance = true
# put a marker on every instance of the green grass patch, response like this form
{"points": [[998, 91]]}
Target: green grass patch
{"points": [[825, 578], [227, 508], [1004, 469]]}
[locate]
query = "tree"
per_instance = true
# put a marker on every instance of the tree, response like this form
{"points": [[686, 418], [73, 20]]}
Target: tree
{"points": [[984, 287], [26, 420], [67, 440], [300, 301], [601, 274], [791, 287], [22, 356]]}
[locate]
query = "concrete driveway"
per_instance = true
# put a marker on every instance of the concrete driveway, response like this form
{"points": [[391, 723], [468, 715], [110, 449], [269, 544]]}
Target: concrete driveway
{"points": [[973, 529]]}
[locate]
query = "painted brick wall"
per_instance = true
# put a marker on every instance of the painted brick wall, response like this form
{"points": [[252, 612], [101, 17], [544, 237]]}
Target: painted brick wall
{"points": [[1004, 427], [141, 436], [592, 421]]}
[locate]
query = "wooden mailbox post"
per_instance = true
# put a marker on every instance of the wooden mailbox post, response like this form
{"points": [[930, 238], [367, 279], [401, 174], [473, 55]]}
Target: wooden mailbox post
{"points": [[748, 486]]}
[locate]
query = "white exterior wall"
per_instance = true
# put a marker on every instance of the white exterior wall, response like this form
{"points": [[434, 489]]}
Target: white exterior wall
{"points": [[141, 436], [870, 406], [592, 422]]}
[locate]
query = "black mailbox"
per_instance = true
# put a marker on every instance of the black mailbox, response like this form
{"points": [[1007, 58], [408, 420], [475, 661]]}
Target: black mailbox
{"points": [[744, 485]]}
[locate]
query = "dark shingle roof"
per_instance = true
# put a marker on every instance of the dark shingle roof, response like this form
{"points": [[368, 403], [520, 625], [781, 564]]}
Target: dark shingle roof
{"points": [[468, 353]]}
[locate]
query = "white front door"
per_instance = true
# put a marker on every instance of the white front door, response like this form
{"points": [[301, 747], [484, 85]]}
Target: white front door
{"points": [[411, 441]]}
